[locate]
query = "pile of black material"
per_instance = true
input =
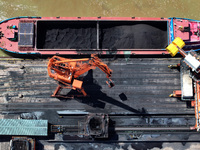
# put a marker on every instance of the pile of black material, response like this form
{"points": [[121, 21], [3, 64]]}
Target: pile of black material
{"points": [[112, 35]]}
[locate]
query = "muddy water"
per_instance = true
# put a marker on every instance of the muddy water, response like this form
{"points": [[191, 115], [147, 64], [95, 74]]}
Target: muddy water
{"points": [[107, 8]]}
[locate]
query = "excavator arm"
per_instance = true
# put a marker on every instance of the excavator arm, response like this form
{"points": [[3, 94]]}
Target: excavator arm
{"points": [[95, 61]]}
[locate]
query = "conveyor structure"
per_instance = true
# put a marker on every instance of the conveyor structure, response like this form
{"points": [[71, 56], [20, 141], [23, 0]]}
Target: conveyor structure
{"points": [[190, 77]]}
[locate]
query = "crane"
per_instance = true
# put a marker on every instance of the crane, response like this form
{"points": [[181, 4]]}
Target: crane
{"points": [[190, 59], [66, 71], [190, 85]]}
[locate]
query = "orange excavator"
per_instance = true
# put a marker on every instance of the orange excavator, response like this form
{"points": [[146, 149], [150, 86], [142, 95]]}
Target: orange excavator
{"points": [[66, 71]]}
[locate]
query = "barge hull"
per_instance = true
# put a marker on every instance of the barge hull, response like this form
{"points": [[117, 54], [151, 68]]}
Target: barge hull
{"points": [[101, 35]]}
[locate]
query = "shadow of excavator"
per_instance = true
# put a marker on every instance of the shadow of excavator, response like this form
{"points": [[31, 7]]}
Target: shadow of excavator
{"points": [[96, 98]]}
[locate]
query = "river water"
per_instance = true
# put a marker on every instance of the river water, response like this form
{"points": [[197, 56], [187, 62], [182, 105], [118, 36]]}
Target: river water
{"points": [[105, 8]]}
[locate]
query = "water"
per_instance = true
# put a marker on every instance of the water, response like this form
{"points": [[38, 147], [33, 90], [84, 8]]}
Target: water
{"points": [[105, 8], [121, 8]]}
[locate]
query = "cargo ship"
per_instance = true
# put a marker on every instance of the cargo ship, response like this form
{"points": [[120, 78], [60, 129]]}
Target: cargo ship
{"points": [[100, 35]]}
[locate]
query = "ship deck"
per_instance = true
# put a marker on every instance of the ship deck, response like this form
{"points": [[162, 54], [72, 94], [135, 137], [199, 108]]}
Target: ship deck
{"points": [[142, 86]]}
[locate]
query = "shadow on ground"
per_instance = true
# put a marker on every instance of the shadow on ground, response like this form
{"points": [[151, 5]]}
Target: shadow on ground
{"points": [[96, 98]]}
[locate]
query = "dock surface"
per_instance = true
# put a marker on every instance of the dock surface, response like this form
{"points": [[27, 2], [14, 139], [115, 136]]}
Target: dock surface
{"points": [[142, 86]]}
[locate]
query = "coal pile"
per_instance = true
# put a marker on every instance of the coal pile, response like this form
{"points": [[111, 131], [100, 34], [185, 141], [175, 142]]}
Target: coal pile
{"points": [[112, 35], [133, 35], [66, 35]]}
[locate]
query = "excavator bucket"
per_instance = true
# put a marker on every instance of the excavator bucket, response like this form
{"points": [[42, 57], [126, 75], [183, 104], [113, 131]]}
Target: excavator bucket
{"points": [[110, 83]]}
